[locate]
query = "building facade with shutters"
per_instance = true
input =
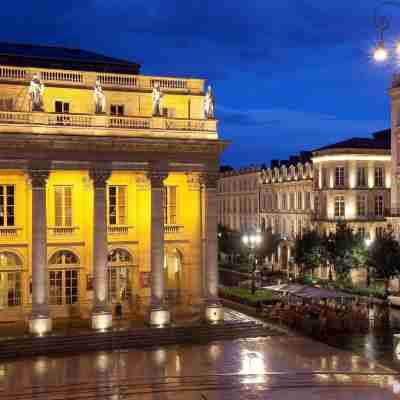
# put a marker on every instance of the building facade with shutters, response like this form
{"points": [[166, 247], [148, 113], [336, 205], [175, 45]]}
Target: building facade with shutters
{"points": [[106, 205]]}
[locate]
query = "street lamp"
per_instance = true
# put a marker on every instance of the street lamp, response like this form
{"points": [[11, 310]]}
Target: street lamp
{"points": [[382, 24], [252, 241]]}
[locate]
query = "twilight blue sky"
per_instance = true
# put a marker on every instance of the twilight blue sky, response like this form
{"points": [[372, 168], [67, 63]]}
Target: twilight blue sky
{"points": [[288, 74]]}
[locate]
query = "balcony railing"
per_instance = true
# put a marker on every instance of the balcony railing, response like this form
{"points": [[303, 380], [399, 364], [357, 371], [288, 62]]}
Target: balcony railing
{"points": [[106, 121], [119, 229], [87, 78], [9, 231], [63, 230], [168, 229]]}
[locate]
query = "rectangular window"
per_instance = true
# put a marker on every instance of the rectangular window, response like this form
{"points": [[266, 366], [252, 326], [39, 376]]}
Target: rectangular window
{"points": [[339, 176], [63, 287], [379, 206], [116, 109], [170, 205], [117, 212], [361, 206], [324, 177], [299, 201], [361, 176], [339, 206], [292, 199], [316, 204], [63, 205], [61, 107], [7, 205], [284, 205], [379, 176], [71, 286], [308, 201]]}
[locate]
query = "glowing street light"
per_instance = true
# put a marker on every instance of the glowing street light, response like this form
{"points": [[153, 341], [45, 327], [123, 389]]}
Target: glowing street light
{"points": [[252, 240], [382, 23], [380, 53]]}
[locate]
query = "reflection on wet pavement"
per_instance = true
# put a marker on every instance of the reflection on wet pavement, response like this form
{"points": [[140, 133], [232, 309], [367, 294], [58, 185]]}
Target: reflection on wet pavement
{"points": [[288, 367]]}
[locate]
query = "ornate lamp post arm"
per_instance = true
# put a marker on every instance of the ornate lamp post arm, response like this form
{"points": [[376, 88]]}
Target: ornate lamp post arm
{"points": [[382, 24]]}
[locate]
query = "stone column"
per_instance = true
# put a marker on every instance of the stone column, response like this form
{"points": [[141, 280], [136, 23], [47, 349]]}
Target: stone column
{"points": [[40, 322], [101, 313], [159, 313], [214, 311]]}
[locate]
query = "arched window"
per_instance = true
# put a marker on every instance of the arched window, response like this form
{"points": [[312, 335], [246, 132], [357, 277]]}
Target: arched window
{"points": [[120, 263], [64, 278], [10, 280]]}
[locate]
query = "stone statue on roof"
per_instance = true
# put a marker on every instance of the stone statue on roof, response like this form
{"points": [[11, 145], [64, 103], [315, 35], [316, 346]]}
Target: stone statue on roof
{"points": [[36, 91], [209, 104], [99, 98], [157, 96]]}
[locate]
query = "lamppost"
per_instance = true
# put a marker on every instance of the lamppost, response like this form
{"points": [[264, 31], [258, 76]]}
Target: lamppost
{"points": [[251, 241], [368, 241], [382, 24]]}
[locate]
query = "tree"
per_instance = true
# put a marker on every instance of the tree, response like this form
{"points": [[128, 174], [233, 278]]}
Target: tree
{"points": [[384, 257], [308, 250], [345, 250], [269, 244]]}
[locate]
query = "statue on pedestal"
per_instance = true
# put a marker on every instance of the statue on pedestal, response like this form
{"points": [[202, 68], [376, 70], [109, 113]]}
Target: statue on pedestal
{"points": [[36, 90], [209, 104], [157, 97], [99, 98]]}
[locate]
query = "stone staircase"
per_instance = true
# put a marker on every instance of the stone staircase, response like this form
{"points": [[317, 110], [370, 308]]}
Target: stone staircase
{"points": [[77, 342]]}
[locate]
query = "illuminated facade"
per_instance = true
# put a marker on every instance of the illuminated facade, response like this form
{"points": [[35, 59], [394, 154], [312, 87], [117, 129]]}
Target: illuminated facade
{"points": [[238, 199], [352, 183], [349, 181], [104, 204]]}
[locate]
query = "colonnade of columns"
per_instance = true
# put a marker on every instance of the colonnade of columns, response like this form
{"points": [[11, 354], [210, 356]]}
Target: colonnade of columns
{"points": [[40, 321]]}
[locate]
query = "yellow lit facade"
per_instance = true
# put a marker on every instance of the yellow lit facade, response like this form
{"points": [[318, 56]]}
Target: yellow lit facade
{"points": [[128, 197]]}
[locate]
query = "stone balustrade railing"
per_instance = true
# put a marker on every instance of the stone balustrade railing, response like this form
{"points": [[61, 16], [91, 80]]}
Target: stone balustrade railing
{"points": [[105, 121], [88, 79], [173, 229]]}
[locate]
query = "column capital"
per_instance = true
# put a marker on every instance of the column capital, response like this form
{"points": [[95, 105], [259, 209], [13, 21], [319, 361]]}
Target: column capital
{"points": [[99, 177], [157, 178], [209, 179], [38, 177]]}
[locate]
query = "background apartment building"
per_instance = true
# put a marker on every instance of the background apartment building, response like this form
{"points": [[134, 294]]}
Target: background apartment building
{"points": [[349, 181]]}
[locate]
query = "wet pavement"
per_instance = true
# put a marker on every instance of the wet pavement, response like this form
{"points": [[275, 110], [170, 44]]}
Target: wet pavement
{"points": [[280, 367], [375, 345]]}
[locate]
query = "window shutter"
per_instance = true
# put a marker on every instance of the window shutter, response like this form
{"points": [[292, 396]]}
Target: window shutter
{"points": [[68, 205], [121, 205], [58, 206]]}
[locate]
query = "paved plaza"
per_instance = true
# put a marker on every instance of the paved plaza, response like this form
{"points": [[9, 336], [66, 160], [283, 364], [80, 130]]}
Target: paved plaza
{"points": [[277, 367]]}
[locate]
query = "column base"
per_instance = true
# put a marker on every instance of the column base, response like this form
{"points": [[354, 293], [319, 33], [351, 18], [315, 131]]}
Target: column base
{"points": [[101, 321], [40, 325], [159, 318], [214, 313]]}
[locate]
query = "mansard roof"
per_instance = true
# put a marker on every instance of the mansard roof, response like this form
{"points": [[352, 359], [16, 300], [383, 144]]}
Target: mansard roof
{"points": [[28, 55], [379, 141]]}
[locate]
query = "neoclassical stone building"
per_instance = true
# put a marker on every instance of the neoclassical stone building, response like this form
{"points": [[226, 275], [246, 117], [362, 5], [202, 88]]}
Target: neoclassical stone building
{"points": [[238, 199], [107, 190], [349, 181]]}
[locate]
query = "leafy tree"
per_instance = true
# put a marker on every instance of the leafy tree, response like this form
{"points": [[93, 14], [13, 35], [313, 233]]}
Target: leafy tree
{"points": [[384, 257], [308, 250], [269, 243], [345, 250]]}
